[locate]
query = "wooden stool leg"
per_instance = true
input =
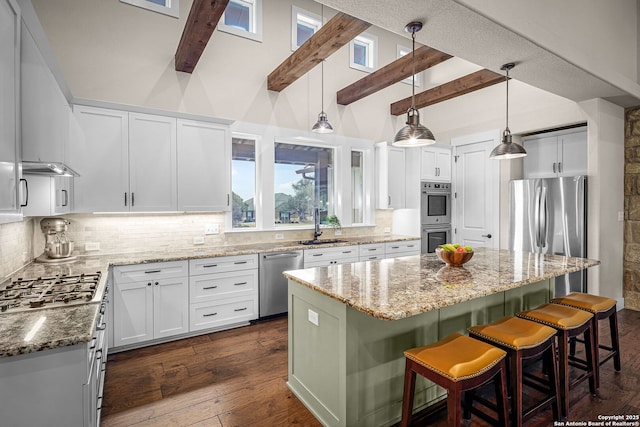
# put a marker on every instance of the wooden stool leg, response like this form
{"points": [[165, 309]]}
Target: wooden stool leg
{"points": [[409, 389], [502, 401], [563, 372], [467, 398], [454, 410], [551, 360], [615, 341], [595, 349], [516, 389], [591, 360]]}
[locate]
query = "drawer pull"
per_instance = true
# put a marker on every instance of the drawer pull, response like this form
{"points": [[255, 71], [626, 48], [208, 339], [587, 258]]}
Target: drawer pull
{"points": [[240, 262], [370, 249], [347, 252], [373, 257], [210, 287], [395, 247], [239, 283], [410, 246], [317, 254], [209, 265], [240, 309], [152, 271], [209, 315]]}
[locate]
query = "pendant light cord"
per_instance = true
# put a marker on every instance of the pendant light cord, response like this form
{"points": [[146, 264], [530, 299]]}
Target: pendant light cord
{"points": [[413, 69], [507, 113], [322, 64]]}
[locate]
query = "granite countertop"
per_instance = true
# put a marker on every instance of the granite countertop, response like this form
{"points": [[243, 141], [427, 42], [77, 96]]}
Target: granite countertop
{"points": [[397, 288], [63, 326]]}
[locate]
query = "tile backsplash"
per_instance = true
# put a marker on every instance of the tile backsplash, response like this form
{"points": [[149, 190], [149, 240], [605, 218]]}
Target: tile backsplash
{"points": [[16, 245]]}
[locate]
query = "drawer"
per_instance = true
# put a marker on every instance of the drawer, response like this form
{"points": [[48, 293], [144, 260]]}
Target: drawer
{"points": [[408, 247], [313, 255], [371, 257], [366, 251], [205, 315], [329, 261], [207, 287], [223, 264], [151, 271]]}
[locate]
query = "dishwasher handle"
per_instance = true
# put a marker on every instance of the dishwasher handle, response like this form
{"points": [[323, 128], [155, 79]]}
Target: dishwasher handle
{"points": [[281, 255]]}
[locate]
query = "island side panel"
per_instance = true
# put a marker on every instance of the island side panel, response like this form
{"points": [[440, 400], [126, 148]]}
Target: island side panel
{"points": [[317, 353], [528, 297]]}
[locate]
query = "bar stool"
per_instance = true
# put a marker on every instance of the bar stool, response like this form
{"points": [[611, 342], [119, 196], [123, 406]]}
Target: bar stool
{"points": [[524, 340], [570, 323], [458, 364], [601, 308]]}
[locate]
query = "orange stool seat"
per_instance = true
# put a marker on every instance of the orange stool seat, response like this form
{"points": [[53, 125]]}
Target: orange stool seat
{"points": [[569, 322], [601, 308], [522, 340], [458, 364]]}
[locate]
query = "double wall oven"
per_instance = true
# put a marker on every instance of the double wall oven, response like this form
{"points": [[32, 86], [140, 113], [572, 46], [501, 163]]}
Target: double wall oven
{"points": [[435, 214]]}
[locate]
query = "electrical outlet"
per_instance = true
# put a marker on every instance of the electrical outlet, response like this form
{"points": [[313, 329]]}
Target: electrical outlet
{"points": [[279, 236], [198, 240], [337, 232], [313, 317], [92, 246], [387, 229], [211, 229]]}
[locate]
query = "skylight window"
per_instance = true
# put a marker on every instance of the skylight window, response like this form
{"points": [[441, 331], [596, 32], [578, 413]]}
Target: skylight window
{"points": [[363, 52], [304, 24], [243, 18], [166, 7]]}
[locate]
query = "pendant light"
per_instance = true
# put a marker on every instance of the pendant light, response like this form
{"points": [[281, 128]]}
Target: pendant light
{"points": [[507, 149], [413, 134], [322, 125]]}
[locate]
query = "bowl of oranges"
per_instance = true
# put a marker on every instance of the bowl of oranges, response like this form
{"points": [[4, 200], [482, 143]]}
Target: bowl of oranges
{"points": [[454, 254]]}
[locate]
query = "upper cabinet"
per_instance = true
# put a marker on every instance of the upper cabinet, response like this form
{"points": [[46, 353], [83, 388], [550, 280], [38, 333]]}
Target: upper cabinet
{"points": [[390, 169], [561, 153], [435, 164], [204, 157], [9, 110]]}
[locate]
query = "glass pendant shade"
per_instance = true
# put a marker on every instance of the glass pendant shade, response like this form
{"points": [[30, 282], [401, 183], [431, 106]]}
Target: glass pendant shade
{"points": [[507, 149], [322, 125], [413, 134]]}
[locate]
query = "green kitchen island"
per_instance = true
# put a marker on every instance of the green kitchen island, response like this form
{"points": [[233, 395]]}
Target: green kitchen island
{"points": [[349, 324]]}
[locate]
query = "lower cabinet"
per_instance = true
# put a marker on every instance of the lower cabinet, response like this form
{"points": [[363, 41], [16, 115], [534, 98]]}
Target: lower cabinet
{"points": [[371, 251], [323, 257], [223, 291], [155, 307], [403, 248]]}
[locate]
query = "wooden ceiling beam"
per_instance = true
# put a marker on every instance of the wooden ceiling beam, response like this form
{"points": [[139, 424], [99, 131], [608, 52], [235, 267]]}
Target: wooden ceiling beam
{"points": [[203, 19], [337, 32], [425, 57], [463, 85]]}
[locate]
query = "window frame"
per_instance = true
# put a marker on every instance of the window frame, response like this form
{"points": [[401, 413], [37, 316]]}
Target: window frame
{"points": [[258, 209], [399, 49], [371, 43], [255, 32], [296, 13], [172, 10]]}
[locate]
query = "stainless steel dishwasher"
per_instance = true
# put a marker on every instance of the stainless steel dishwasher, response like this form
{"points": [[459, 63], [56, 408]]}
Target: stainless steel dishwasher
{"points": [[273, 285]]}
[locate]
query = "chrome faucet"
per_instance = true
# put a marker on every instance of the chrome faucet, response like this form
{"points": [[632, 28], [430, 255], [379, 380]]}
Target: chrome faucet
{"points": [[316, 218]]}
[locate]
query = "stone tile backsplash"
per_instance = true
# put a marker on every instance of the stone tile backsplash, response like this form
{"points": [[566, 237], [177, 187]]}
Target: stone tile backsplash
{"points": [[16, 246]]}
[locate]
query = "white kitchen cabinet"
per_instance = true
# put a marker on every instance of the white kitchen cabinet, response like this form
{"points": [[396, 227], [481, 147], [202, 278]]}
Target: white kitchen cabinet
{"points": [[402, 248], [435, 164], [204, 158], [9, 111], [152, 163], [45, 109], [322, 257], [48, 195], [390, 169], [371, 251], [151, 301], [223, 291], [560, 153], [101, 156]]}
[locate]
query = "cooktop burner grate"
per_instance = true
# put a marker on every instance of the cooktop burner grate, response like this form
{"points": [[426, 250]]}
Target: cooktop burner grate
{"points": [[25, 294]]}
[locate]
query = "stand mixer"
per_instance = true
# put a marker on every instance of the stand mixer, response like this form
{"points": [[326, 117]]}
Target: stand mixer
{"points": [[57, 247]]}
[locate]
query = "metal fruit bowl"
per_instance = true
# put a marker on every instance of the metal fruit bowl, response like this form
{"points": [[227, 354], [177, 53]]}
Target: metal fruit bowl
{"points": [[454, 259]]}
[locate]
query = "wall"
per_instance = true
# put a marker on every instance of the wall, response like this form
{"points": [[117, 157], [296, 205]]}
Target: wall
{"points": [[16, 246], [632, 209]]}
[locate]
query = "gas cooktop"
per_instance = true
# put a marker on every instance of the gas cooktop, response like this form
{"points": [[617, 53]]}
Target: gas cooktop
{"points": [[45, 292]]}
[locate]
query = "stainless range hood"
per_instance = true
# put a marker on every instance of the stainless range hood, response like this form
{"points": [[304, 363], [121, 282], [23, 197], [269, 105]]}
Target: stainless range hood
{"points": [[47, 168]]}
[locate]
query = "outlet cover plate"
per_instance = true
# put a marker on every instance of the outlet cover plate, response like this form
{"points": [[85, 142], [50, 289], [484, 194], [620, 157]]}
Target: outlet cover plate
{"points": [[211, 229], [198, 240], [92, 246]]}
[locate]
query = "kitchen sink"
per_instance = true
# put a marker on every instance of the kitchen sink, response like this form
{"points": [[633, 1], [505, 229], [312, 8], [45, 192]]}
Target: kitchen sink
{"points": [[320, 242]]}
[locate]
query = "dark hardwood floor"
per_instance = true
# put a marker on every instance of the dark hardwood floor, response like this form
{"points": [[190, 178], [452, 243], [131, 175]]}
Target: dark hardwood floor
{"points": [[237, 378]]}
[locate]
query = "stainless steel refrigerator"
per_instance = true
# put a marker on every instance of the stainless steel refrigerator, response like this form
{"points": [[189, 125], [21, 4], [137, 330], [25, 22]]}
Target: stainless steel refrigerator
{"points": [[549, 216]]}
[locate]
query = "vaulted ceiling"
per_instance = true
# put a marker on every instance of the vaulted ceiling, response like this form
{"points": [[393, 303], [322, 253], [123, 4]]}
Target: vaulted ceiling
{"points": [[334, 34]]}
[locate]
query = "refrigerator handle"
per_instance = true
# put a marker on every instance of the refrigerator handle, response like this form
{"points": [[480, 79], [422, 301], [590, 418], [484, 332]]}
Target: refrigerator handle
{"points": [[543, 218], [536, 216]]}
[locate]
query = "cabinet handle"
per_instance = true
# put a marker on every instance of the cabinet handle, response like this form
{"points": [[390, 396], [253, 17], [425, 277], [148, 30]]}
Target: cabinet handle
{"points": [[395, 247], [347, 252], [488, 236], [240, 262], [554, 167], [156, 283], [152, 271], [26, 197], [239, 283], [227, 199], [66, 197], [149, 284], [316, 255], [209, 265], [389, 200], [209, 315], [373, 257], [559, 167], [370, 249], [240, 309], [133, 200], [125, 198], [210, 287], [410, 246]]}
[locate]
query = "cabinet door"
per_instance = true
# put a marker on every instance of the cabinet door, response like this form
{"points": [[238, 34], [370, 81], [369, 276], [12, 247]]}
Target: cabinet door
{"points": [[102, 160], [63, 193], [573, 158], [170, 307], [132, 313], [9, 110], [541, 160], [443, 165], [397, 184], [152, 162], [428, 161], [204, 156]]}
